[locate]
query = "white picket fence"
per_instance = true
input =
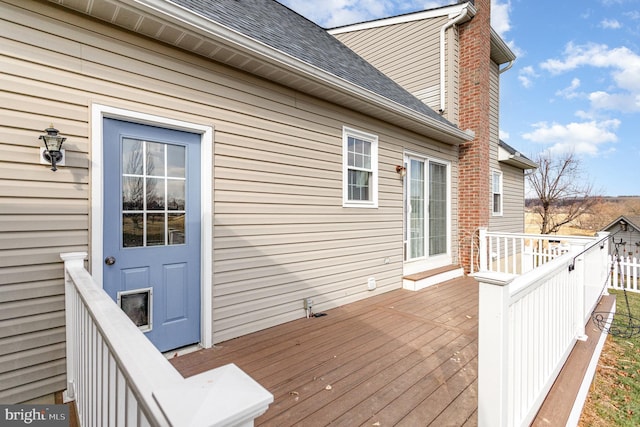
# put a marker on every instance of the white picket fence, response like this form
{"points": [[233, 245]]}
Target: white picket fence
{"points": [[624, 273], [117, 377], [531, 312]]}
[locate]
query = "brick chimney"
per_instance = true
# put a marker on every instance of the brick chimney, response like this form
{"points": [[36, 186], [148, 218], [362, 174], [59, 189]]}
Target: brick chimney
{"points": [[474, 174]]}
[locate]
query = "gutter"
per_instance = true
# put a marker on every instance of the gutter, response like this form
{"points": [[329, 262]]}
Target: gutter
{"points": [[509, 65], [464, 13], [204, 26]]}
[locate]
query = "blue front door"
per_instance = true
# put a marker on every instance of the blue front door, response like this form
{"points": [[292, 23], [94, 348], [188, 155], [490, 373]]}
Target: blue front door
{"points": [[152, 229]]}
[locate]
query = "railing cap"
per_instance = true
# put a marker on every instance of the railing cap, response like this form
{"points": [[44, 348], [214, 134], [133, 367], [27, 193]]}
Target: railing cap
{"points": [[495, 278], [73, 256]]}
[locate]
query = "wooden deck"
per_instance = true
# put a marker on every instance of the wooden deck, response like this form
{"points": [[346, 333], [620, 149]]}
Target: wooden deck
{"points": [[402, 358]]}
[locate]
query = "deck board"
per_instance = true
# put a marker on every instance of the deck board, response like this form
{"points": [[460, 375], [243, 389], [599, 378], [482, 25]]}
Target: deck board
{"points": [[401, 358], [382, 359]]}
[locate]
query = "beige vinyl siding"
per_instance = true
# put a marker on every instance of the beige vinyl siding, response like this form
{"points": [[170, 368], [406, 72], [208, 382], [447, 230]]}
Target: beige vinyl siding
{"points": [[280, 232], [512, 218], [452, 70], [409, 53]]}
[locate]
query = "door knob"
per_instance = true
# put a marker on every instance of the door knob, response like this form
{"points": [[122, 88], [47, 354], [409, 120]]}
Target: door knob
{"points": [[109, 260]]}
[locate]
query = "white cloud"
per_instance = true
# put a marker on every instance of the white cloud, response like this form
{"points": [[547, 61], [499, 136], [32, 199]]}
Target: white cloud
{"points": [[500, 17], [526, 76], [625, 102], [525, 81], [634, 15], [623, 91], [570, 91], [610, 24], [581, 138], [503, 135], [584, 115]]}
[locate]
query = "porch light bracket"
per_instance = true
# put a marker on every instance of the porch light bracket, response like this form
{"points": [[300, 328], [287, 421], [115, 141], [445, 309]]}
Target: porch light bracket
{"points": [[52, 152]]}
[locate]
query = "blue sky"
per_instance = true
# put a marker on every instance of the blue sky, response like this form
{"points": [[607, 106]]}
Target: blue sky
{"points": [[574, 87]]}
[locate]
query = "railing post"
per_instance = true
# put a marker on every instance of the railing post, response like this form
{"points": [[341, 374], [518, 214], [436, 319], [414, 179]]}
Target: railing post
{"points": [[579, 267], [71, 260], [483, 248], [579, 299], [493, 349]]}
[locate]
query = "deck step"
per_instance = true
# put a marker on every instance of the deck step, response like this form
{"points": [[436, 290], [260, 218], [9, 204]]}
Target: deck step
{"points": [[417, 281]]}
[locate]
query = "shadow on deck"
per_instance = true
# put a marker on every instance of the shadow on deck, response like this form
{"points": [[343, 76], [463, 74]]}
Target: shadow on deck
{"points": [[402, 358]]}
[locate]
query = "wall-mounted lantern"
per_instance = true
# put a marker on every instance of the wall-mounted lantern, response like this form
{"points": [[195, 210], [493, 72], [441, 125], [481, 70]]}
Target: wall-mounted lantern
{"points": [[52, 151], [401, 170]]}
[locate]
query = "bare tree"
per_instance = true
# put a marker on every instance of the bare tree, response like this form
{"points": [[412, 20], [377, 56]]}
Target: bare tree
{"points": [[563, 191]]}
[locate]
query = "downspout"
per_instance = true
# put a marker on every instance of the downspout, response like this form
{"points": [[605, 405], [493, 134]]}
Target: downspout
{"points": [[509, 65], [463, 15]]}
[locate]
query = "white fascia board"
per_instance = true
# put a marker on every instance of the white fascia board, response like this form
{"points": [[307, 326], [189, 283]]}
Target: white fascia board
{"points": [[214, 30], [450, 12]]}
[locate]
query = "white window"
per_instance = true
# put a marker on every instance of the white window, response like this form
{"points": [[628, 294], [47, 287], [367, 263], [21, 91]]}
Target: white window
{"points": [[496, 193], [360, 169]]}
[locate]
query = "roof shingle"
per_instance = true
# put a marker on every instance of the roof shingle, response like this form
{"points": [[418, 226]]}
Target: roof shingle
{"points": [[279, 27]]}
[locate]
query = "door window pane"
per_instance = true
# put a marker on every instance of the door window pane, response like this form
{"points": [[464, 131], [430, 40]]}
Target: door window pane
{"points": [[155, 158], [417, 210], [132, 193], [437, 208], [155, 194], [132, 230], [132, 155], [175, 195], [176, 229], [155, 229], [176, 158], [153, 183]]}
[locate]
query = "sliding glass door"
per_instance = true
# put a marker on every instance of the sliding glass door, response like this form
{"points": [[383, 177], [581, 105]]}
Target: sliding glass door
{"points": [[426, 209]]}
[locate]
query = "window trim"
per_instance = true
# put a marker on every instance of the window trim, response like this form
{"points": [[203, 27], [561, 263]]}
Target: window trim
{"points": [[373, 139], [500, 212]]}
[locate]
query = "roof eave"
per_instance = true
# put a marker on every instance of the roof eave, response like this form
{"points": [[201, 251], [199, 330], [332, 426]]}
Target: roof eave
{"points": [[444, 11], [500, 51], [294, 73], [519, 162], [513, 158]]}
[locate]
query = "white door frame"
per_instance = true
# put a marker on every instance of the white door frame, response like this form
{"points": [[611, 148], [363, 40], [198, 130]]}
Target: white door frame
{"points": [[433, 261], [98, 113]]}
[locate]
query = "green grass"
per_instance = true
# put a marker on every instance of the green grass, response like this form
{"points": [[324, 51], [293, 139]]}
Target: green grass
{"points": [[615, 396]]}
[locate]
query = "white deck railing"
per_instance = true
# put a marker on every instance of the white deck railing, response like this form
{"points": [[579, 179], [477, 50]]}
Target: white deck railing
{"points": [[518, 253], [528, 325], [117, 377]]}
